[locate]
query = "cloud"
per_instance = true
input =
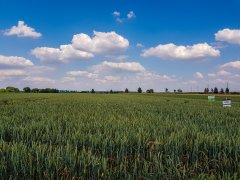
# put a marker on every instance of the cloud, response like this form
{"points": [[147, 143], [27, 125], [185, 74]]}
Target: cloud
{"points": [[121, 66], [220, 73], [112, 78], [12, 72], [237, 76], [233, 64], [190, 82], [68, 79], [172, 51], [22, 30], [198, 75], [139, 45], [102, 42], [39, 69], [83, 47], [39, 79], [119, 19], [147, 75], [63, 54], [14, 61], [118, 57], [219, 45], [82, 73], [131, 15], [116, 13], [231, 36]]}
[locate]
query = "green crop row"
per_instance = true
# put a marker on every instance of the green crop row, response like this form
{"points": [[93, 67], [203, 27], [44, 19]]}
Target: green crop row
{"points": [[118, 136]]}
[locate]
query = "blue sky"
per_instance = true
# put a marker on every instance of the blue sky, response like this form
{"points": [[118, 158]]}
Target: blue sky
{"points": [[120, 44]]}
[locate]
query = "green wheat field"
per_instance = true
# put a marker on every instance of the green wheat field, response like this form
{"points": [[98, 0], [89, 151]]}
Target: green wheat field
{"points": [[118, 136]]}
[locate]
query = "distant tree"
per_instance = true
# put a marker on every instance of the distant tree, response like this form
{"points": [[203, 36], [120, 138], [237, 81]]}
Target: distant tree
{"points": [[111, 91], [150, 91], [215, 90], [212, 91], [27, 89], [139, 90], [179, 91], [48, 90], [227, 90], [166, 90], [126, 90], [174, 90], [206, 90], [35, 90], [11, 89], [92, 91], [221, 91]]}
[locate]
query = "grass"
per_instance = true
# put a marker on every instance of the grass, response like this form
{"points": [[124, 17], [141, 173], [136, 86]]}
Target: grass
{"points": [[118, 136]]}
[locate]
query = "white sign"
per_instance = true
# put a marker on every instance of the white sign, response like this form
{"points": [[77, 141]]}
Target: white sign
{"points": [[227, 103]]}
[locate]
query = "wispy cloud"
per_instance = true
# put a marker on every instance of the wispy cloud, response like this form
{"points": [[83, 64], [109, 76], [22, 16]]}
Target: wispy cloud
{"points": [[130, 15], [233, 64]]}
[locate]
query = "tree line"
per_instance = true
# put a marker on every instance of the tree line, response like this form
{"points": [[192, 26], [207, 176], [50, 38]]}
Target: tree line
{"points": [[29, 90], [214, 90]]}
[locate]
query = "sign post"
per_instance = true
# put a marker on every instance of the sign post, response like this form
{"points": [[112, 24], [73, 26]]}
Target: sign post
{"points": [[227, 103], [211, 99]]}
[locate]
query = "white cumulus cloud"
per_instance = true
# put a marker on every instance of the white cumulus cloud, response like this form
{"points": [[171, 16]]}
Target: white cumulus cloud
{"points": [[172, 51], [233, 64], [102, 42], [64, 53], [15, 61], [83, 47], [231, 36], [22, 30]]}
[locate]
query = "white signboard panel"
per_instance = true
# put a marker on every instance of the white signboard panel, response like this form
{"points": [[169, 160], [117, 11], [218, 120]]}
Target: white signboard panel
{"points": [[227, 103]]}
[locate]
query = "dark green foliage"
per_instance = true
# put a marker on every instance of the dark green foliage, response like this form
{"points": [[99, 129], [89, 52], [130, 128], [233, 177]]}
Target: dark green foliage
{"points": [[27, 89], [221, 91], [35, 90], [139, 90], [150, 91], [11, 89], [227, 90]]}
